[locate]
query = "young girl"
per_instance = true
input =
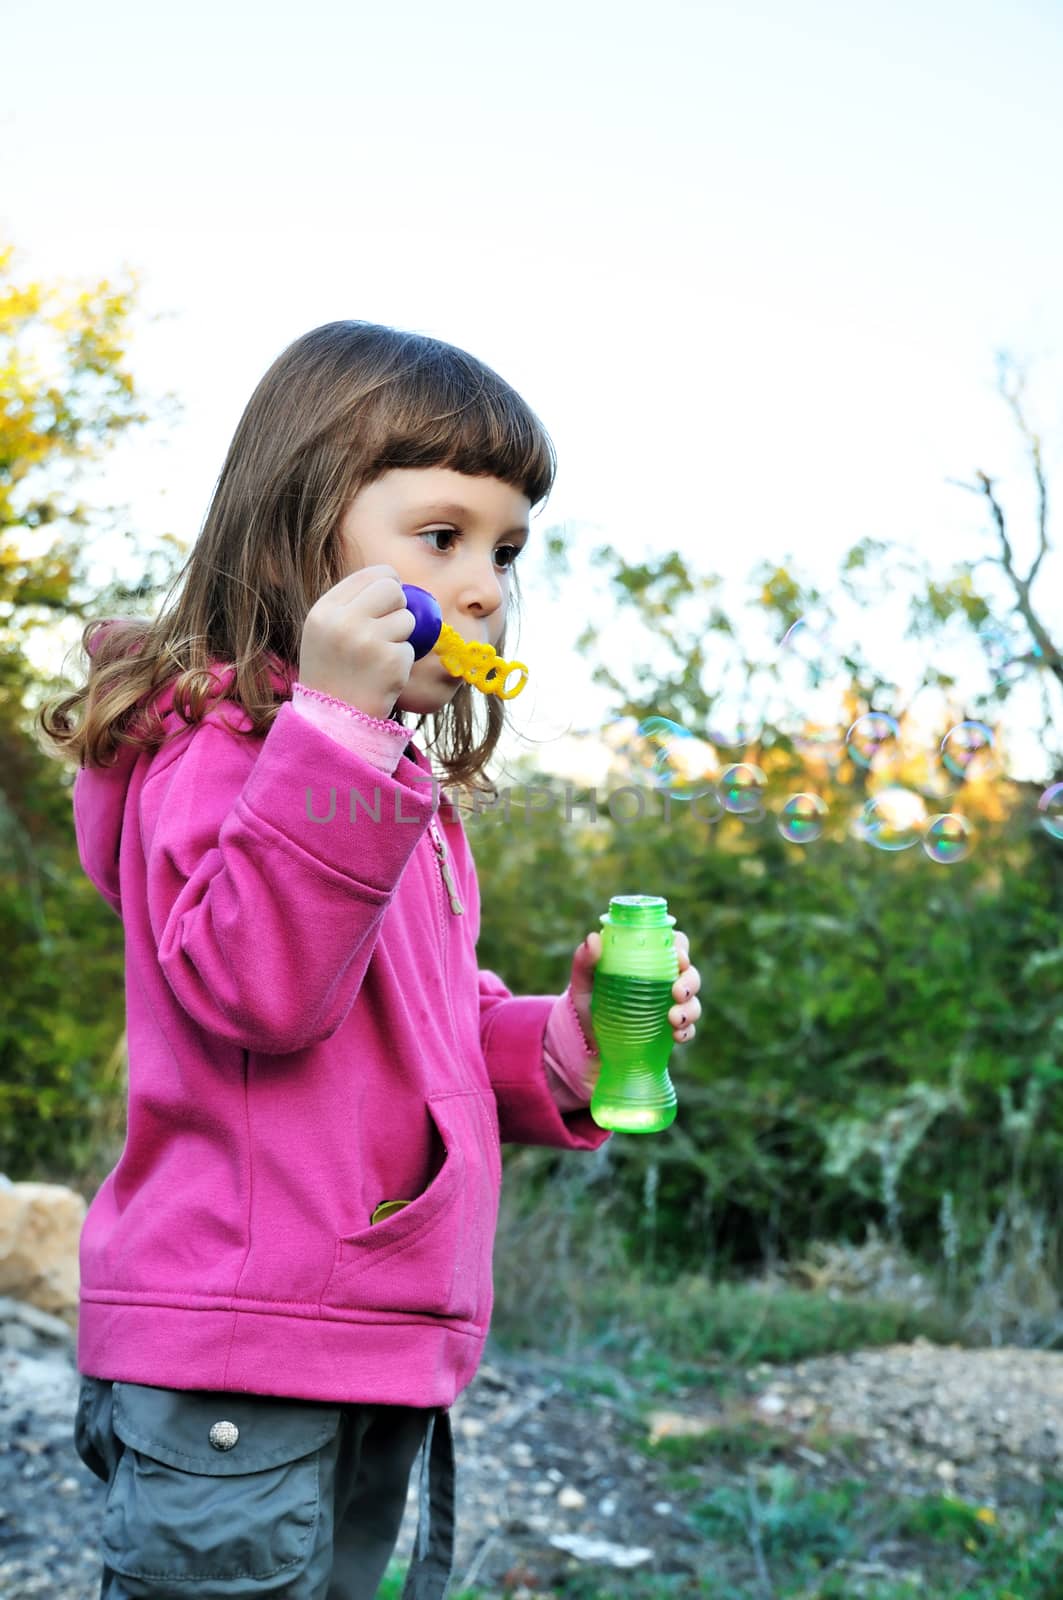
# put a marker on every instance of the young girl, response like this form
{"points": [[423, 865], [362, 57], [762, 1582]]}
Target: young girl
{"points": [[286, 1279]]}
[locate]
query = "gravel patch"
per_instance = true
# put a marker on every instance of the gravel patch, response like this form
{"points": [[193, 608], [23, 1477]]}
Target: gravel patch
{"points": [[548, 1478]]}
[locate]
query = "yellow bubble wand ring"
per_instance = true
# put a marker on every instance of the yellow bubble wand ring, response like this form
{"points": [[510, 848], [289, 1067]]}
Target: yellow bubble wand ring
{"points": [[474, 660], [478, 663]]}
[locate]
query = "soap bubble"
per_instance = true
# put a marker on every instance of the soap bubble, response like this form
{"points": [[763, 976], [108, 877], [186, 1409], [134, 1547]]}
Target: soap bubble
{"points": [[893, 819], [1050, 806], [818, 744], [684, 765], [742, 790], [709, 806], [967, 750], [807, 644], [926, 774], [665, 755], [1007, 658], [617, 735], [873, 739], [622, 737], [997, 645], [797, 636], [802, 818], [730, 735], [947, 838]]}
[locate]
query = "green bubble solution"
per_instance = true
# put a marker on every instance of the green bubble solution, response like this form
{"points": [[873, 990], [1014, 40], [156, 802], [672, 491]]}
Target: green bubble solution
{"points": [[630, 1002]]}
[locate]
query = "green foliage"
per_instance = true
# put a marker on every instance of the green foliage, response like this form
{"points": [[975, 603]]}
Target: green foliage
{"points": [[67, 394], [581, 1277], [394, 1580], [879, 1037], [865, 1019], [880, 1041]]}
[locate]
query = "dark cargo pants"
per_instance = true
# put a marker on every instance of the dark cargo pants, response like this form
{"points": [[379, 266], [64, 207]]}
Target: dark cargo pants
{"points": [[214, 1494]]}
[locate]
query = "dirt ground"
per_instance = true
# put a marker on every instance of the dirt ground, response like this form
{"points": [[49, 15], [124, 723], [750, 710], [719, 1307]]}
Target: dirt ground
{"points": [[563, 1466]]}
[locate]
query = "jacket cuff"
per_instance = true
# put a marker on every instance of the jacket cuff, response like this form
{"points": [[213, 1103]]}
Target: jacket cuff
{"points": [[378, 739], [572, 1067], [528, 1111]]}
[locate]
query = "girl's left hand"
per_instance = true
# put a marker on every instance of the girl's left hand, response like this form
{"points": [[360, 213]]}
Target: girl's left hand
{"points": [[683, 1015]]}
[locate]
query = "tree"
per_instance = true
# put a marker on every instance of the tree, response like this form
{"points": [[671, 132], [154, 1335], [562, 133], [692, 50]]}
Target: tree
{"points": [[67, 393], [1040, 649], [867, 1016]]}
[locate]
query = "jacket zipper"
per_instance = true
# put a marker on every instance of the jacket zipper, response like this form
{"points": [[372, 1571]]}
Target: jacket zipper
{"points": [[440, 848], [439, 845]]}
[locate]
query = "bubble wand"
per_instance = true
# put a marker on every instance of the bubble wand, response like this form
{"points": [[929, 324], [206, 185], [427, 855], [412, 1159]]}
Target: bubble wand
{"points": [[630, 1001], [475, 661]]}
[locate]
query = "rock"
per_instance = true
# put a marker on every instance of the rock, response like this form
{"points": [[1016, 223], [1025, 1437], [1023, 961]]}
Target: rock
{"points": [[17, 1337], [17, 1313], [40, 1227], [600, 1550], [914, 1407], [676, 1424]]}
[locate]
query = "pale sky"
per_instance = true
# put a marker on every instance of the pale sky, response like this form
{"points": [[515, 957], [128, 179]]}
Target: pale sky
{"points": [[749, 263]]}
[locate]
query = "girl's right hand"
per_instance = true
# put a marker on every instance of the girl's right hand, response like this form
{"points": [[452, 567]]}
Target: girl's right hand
{"points": [[354, 644]]}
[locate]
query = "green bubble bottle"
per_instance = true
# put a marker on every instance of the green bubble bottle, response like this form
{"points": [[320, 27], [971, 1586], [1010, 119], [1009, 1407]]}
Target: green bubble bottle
{"points": [[630, 1002]]}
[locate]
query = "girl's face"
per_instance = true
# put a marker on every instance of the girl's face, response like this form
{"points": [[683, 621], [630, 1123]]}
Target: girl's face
{"points": [[454, 535]]}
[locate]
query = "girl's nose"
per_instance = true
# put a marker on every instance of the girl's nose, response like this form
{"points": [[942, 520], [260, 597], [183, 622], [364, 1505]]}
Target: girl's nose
{"points": [[480, 590]]}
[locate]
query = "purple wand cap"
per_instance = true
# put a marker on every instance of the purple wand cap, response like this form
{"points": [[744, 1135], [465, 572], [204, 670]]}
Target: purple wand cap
{"points": [[429, 619]]}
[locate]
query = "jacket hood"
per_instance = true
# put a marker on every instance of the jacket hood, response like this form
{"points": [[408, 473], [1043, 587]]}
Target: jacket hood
{"points": [[101, 793]]}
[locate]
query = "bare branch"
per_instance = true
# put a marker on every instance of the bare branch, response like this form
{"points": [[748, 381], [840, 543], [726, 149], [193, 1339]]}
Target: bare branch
{"points": [[998, 518], [1012, 394], [1013, 398]]}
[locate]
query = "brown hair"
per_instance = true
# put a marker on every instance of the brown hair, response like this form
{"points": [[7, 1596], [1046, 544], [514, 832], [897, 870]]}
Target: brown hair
{"points": [[341, 406]]}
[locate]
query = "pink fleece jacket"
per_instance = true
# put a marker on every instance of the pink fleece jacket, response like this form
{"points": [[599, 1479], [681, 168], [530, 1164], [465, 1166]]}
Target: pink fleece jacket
{"points": [[309, 1036]]}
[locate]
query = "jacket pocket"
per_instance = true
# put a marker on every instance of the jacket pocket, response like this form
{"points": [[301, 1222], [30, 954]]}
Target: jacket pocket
{"points": [[433, 1256], [182, 1512]]}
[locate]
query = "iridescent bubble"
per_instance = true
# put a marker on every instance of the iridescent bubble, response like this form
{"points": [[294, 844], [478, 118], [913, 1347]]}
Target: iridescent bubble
{"points": [[802, 818], [967, 750], [1009, 659], [947, 838], [798, 632], [819, 744], [807, 643], [926, 774], [665, 755], [997, 645], [873, 737], [742, 790], [1050, 806], [619, 734], [893, 819], [730, 735], [684, 765], [709, 806]]}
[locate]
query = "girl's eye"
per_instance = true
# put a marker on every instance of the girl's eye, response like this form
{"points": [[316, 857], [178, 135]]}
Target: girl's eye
{"points": [[512, 549], [439, 533]]}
